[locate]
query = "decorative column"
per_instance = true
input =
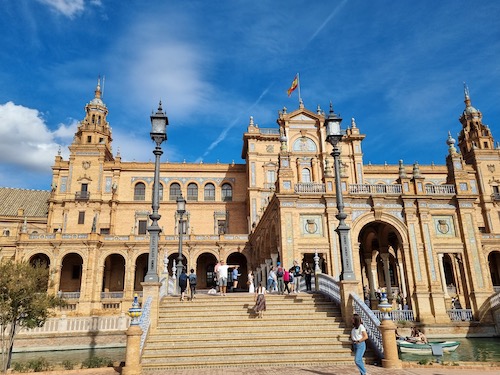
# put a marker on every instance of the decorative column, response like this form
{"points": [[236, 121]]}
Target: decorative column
{"points": [[369, 271], [402, 278], [388, 330], [133, 352], [387, 275], [274, 258]]}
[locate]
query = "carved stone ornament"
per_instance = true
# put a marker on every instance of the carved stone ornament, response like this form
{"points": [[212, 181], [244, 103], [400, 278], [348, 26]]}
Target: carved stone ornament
{"points": [[443, 226], [311, 226], [86, 164]]}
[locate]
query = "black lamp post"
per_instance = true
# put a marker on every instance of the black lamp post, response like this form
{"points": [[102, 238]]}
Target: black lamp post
{"points": [[159, 122], [181, 210], [333, 136]]}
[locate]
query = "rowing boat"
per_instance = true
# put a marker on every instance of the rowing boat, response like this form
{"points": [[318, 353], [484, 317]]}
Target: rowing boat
{"points": [[426, 349]]}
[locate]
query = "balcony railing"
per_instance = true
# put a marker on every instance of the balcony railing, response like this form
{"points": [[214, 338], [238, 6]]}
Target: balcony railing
{"points": [[107, 295], [397, 315], [495, 196], [440, 189], [464, 315], [69, 295], [82, 195], [375, 189], [310, 187]]}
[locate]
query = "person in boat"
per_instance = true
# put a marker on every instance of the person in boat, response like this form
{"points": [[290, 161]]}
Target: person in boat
{"points": [[398, 336], [420, 338]]}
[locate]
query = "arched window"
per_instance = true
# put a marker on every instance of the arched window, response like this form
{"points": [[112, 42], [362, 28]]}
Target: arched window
{"points": [[160, 189], [139, 192], [175, 191], [192, 192], [209, 194], [227, 192], [306, 175]]}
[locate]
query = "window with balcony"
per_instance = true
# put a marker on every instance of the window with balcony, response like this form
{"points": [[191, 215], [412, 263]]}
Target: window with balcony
{"points": [[83, 194], [192, 192], [175, 191], [209, 193], [139, 192], [227, 192]]}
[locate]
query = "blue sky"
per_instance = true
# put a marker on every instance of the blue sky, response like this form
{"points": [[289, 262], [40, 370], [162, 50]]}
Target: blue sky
{"points": [[397, 67]]}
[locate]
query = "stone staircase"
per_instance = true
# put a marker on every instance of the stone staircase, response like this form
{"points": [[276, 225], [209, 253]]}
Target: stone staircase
{"points": [[215, 331]]}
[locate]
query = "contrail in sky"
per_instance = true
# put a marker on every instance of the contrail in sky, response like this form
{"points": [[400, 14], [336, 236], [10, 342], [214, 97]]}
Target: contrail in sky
{"points": [[222, 135], [329, 18]]}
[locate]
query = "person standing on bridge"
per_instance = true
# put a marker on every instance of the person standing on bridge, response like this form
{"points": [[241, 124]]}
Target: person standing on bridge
{"points": [[358, 337]]}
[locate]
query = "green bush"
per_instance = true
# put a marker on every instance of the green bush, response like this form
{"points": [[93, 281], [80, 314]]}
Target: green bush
{"points": [[68, 365], [19, 366], [95, 362], [40, 364], [423, 362]]}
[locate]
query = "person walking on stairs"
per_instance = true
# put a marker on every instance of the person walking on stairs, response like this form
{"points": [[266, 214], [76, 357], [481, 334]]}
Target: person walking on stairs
{"points": [[192, 283], [359, 337], [260, 301], [222, 276], [183, 280]]}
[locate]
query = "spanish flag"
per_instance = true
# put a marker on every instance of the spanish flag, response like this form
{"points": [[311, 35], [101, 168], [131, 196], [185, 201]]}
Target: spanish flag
{"points": [[294, 85]]}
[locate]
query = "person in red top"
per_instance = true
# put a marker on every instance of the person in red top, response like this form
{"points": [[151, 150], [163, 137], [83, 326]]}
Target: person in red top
{"points": [[286, 280]]}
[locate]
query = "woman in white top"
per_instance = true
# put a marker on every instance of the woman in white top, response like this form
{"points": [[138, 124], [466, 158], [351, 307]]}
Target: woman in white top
{"points": [[251, 287], [260, 301], [358, 337]]}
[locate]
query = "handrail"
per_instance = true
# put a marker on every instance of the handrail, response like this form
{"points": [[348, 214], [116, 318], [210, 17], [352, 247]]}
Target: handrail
{"points": [[145, 321], [371, 323], [331, 288]]}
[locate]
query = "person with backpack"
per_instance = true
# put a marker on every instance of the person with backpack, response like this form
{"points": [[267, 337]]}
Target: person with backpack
{"points": [[295, 270], [192, 283], [183, 280], [280, 272]]}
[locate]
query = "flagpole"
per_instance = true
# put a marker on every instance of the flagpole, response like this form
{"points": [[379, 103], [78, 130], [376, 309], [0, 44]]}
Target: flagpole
{"points": [[298, 86]]}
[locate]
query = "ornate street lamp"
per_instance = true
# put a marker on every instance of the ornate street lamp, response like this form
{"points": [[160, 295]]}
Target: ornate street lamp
{"points": [[333, 136], [159, 122], [181, 210]]}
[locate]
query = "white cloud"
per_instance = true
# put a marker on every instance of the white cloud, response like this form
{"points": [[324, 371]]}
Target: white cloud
{"points": [[69, 8], [25, 140]]}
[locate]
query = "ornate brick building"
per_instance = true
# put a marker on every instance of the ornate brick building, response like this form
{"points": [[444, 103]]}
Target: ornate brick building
{"points": [[429, 232]]}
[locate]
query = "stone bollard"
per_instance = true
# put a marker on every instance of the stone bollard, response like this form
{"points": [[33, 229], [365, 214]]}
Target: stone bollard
{"points": [[133, 353], [388, 330]]}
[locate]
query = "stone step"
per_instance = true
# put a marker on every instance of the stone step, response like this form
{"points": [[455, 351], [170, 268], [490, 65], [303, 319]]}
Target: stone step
{"points": [[273, 358], [217, 331], [253, 341]]}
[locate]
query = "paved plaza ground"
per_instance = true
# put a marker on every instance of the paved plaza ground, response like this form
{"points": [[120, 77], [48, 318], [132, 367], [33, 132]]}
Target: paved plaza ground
{"points": [[303, 370]]}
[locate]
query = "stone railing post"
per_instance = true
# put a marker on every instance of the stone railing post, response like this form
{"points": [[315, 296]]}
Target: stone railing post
{"points": [[133, 352]]}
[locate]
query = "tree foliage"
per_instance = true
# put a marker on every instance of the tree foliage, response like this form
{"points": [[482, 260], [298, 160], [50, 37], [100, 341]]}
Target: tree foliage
{"points": [[24, 301]]}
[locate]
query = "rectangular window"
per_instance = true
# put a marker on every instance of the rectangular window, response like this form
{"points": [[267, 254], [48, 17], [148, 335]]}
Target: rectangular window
{"points": [[104, 230], [89, 139], [81, 217], [142, 227], [85, 187]]}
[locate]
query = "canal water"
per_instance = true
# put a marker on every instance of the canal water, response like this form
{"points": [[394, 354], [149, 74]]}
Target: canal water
{"points": [[470, 350], [56, 357]]}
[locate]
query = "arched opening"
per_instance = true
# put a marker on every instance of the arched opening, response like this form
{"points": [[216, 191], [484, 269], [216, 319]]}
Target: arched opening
{"points": [[205, 265], [40, 260], [141, 269], [173, 259], [382, 264], [71, 273], [494, 265], [113, 277], [240, 260], [227, 192]]}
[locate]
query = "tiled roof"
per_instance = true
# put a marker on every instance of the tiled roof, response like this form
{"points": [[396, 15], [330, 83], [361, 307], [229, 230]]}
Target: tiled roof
{"points": [[34, 202]]}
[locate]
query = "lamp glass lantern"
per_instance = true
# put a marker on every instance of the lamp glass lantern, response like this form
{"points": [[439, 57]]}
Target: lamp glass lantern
{"points": [[159, 122], [181, 205], [333, 131]]}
